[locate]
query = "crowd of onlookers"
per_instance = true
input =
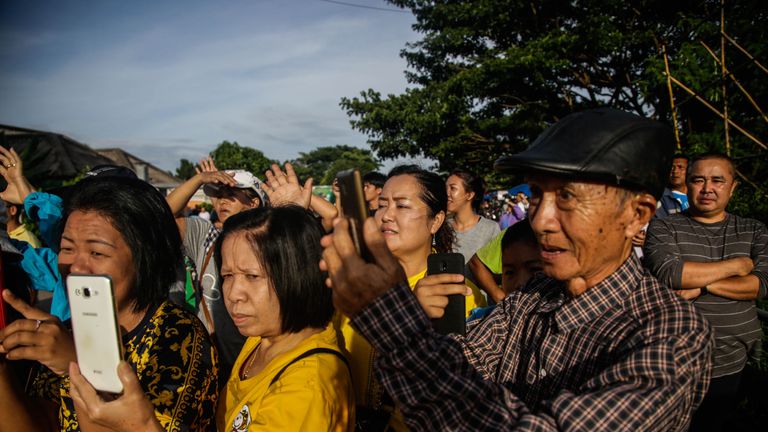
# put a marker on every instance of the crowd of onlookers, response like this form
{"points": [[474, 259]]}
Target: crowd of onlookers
{"points": [[261, 314]]}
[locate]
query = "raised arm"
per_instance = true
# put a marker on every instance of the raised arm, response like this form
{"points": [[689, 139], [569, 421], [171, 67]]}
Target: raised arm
{"points": [[12, 170], [283, 188], [178, 199]]}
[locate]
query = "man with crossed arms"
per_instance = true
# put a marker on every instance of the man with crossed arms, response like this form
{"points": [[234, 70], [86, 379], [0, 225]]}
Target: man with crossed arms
{"points": [[718, 261]]}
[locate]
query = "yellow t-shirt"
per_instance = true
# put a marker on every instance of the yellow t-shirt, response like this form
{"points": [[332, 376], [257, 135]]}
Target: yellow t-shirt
{"points": [[368, 391], [314, 393], [23, 234]]}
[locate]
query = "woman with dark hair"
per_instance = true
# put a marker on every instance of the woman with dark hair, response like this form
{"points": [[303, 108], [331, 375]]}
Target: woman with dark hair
{"points": [[122, 228], [465, 195], [411, 217], [290, 374]]}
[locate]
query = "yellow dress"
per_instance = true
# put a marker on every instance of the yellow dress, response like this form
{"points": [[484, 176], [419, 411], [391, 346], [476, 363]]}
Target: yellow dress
{"points": [[368, 391], [314, 393], [175, 362]]}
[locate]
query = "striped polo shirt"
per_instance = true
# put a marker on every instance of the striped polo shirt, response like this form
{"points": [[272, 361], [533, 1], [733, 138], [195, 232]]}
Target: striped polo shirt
{"points": [[678, 238]]}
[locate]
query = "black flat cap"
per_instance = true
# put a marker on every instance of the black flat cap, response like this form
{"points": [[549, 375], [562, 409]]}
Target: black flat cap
{"points": [[605, 145]]}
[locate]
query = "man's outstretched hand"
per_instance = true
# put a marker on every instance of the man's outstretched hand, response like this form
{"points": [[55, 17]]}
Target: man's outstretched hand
{"points": [[357, 283]]}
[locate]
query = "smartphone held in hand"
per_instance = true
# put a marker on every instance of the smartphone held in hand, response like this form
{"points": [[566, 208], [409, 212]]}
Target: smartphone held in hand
{"points": [[96, 332], [454, 319], [354, 207]]}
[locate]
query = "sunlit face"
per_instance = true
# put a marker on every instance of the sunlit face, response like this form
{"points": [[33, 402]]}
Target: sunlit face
{"points": [[520, 261], [91, 245], [581, 228], [677, 174], [458, 196], [403, 217], [710, 187], [231, 201], [248, 294]]}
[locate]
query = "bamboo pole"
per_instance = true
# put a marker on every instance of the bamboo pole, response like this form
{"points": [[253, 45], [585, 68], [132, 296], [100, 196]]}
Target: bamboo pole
{"points": [[715, 110], [745, 52], [724, 73], [738, 83], [671, 97]]}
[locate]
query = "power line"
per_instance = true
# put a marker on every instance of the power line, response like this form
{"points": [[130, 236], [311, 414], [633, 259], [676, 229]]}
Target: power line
{"points": [[364, 6]]}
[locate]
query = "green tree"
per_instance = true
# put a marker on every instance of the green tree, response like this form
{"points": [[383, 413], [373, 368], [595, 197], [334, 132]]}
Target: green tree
{"points": [[489, 75], [323, 163], [186, 169], [231, 155]]}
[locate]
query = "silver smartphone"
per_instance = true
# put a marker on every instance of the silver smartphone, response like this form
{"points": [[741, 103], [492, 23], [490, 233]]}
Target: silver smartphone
{"points": [[94, 326]]}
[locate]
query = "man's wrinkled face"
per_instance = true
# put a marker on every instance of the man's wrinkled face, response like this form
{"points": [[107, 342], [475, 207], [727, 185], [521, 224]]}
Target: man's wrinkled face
{"points": [[581, 227], [677, 173], [710, 186]]}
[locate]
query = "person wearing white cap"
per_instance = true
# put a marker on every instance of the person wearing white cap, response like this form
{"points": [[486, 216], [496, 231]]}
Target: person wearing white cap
{"points": [[232, 192]]}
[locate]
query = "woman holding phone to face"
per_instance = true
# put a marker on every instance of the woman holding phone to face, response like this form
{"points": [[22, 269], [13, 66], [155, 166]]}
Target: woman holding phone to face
{"points": [[290, 374], [411, 217], [122, 228]]}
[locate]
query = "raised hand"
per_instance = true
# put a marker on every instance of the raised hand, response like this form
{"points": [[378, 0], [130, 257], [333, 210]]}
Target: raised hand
{"points": [[12, 170], [433, 291], [40, 337], [129, 412], [283, 188], [206, 164], [355, 282]]}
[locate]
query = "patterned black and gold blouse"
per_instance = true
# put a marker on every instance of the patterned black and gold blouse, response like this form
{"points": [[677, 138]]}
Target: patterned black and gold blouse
{"points": [[172, 355]]}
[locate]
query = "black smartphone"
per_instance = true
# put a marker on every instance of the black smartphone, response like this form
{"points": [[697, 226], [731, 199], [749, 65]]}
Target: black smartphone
{"points": [[354, 207], [454, 319]]}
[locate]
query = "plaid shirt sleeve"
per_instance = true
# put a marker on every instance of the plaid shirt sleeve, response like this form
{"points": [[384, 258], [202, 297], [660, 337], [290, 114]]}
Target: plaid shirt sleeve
{"points": [[437, 388]]}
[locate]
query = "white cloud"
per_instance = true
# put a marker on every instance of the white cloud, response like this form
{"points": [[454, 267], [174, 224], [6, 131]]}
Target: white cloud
{"points": [[163, 95]]}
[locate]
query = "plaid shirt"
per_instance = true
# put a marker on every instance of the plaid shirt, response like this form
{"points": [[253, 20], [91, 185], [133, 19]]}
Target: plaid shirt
{"points": [[625, 355]]}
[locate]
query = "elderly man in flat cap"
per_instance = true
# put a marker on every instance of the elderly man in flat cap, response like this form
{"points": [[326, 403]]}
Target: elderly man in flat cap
{"points": [[595, 343]]}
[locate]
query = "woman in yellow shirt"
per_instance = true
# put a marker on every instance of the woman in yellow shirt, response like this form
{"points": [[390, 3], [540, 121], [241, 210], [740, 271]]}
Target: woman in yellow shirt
{"points": [[290, 374], [411, 217]]}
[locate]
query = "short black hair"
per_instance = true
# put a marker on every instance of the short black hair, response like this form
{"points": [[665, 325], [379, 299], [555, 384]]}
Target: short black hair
{"points": [[286, 241], [375, 178], [521, 232], [435, 196], [472, 183], [142, 216], [708, 156]]}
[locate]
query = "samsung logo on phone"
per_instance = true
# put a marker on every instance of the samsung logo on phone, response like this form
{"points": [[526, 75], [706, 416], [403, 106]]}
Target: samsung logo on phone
{"points": [[90, 314]]}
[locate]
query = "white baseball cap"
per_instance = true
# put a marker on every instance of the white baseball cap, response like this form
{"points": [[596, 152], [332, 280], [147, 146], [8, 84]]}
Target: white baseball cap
{"points": [[243, 180]]}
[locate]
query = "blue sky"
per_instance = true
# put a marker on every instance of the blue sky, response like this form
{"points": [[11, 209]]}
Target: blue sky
{"points": [[167, 80]]}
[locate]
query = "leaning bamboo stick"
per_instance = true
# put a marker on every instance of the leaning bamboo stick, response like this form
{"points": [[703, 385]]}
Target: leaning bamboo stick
{"points": [[746, 53], [671, 97], [738, 83], [715, 110], [724, 73]]}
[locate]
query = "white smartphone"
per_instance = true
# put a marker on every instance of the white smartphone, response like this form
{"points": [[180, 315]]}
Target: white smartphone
{"points": [[94, 325]]}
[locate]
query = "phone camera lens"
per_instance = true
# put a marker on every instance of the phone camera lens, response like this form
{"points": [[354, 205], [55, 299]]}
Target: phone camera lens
{"points": [[444, 267], [86, 292]]}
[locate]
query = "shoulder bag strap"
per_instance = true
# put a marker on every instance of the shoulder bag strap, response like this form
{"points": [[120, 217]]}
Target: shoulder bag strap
{"points": [[203, 303], [307, 354]]}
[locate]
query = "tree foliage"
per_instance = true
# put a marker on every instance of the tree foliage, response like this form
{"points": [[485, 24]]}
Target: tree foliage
{"points": [[186, 169], [323, 163], [231, 155], [489, 75]]}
